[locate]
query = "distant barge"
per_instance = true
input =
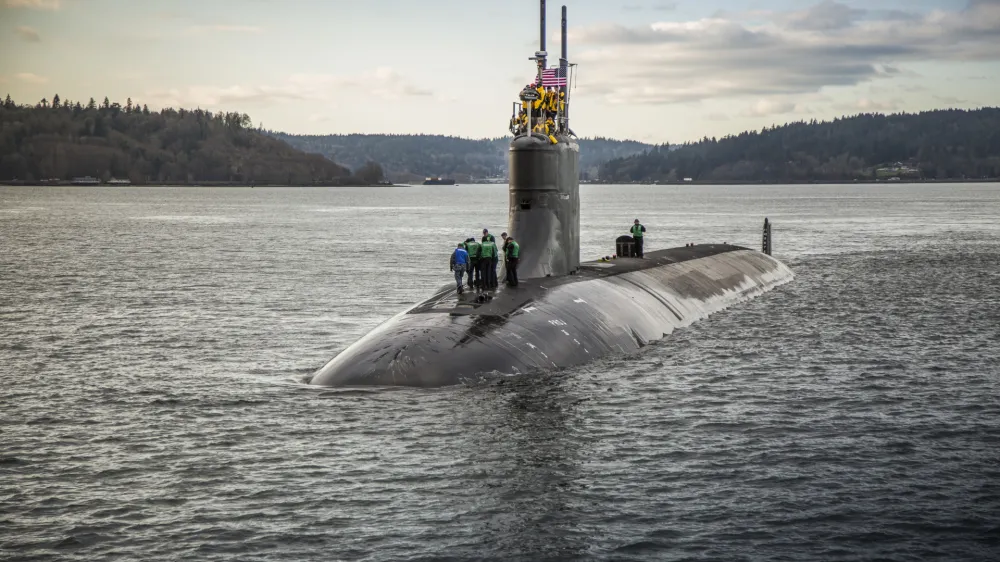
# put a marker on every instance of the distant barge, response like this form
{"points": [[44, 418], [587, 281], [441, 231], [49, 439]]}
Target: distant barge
{"points": [[439, 181]]}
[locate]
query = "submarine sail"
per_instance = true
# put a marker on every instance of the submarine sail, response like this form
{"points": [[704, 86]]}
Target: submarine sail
{"points": [[544, 168], [563, 312]]}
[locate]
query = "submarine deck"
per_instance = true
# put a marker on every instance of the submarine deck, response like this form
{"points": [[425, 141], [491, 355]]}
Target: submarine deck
{"points": [[509, 299]]}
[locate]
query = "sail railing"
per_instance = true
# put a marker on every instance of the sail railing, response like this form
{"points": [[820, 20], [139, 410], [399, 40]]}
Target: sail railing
{"points": [[526, 119]]}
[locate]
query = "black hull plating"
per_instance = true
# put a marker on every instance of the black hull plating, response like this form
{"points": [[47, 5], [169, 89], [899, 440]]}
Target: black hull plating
{"points": [[546, 323], [545, 204]]}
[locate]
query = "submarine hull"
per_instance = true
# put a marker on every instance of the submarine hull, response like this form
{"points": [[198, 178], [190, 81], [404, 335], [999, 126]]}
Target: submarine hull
{"points": [[614, 307]]}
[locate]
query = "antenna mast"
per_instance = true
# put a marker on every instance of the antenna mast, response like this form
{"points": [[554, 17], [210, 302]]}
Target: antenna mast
{"points": [[564, 74], [541, 55]]}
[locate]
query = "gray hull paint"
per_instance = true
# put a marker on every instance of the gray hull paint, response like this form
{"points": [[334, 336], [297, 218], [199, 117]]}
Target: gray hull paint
{"points": [[608, 308]]}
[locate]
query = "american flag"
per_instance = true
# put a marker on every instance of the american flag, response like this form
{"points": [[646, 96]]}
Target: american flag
{"points": [[553, 77]]}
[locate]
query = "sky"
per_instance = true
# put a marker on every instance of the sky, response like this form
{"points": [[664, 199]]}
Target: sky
{"points": [[651, 70]]}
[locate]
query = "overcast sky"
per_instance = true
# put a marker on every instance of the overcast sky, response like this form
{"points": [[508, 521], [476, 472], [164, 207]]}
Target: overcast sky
{"points": [[651, 70]]}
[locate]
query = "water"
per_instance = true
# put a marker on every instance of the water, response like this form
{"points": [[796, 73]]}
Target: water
{"points": [[152, 340]]}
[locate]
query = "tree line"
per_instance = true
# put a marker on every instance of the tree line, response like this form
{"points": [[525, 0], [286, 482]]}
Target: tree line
{"points": [[409, 158], [64, 139], [939, 145]]}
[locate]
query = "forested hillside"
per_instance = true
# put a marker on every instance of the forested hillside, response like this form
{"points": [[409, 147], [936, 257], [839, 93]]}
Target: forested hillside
{"points": [[414, 157], [946, 144], [63, 139]]}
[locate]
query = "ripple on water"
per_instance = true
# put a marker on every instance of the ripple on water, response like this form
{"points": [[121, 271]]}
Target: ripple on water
{"points": [[152, 405]]}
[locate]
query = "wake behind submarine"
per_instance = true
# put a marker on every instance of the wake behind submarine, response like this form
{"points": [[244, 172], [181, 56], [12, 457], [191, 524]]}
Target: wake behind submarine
{"points": [[563, 313]]}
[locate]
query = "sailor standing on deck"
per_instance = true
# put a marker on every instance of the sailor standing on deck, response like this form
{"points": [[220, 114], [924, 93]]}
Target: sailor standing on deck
{"points": [[488, 264], [459, 261], [511, 252], [472, 247], [637, 231], [490, 281], [503, 248]]}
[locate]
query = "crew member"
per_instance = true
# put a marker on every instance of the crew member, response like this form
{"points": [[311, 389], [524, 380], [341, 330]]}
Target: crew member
{"points": [[459, 262], [472, 247], [487, 264], [490, 281], [521, 122], [553, 101], [513, 252], [637, 232], [539, 104], [503, 248]]}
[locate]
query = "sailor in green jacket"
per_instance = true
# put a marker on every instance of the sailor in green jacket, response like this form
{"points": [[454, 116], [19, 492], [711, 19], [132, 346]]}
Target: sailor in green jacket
{"points": [[637, 232], [512, 252], [472, 247], [487, 237], [487, 265]]}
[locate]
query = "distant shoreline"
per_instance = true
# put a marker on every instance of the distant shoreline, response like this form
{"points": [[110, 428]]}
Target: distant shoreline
{"points": [[672, 183], [198, 184], [798, 182]]}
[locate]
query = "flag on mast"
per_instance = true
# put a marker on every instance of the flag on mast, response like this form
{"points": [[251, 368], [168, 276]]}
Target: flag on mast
{"points": [[553, 77]]}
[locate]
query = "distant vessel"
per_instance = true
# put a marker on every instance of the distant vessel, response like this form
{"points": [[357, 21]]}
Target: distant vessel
{"points": [[85, 180], [439, 181], [113, 181]]}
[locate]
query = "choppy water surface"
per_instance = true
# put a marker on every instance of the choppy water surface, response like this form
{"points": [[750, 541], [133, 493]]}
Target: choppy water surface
{"points": [[151, 340]]}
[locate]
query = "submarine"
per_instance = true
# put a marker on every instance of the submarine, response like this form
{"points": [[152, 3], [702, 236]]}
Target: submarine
{"points": [[562, 313]]}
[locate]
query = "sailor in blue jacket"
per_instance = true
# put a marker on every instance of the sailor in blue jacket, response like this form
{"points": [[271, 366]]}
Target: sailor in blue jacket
{"points": [[459, 262]]}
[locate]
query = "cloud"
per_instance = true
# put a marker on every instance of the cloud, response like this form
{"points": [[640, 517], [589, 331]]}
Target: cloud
{"points": [[660, 7], [51, 5], [169, 15], [31, 78], [951, 100], [765, 107], [869, 105], [826, 15], [382, 83], [897, 15], [781, 53], [222, 28], [28, 34]]}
